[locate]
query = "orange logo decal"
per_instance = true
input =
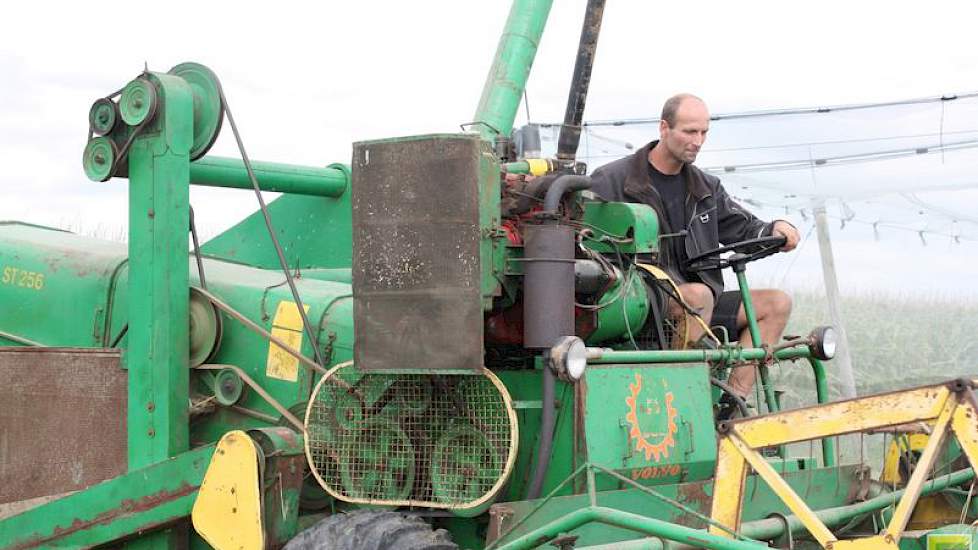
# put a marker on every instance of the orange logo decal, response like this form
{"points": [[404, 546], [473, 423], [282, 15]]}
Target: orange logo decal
{"points": [[660, 449]]}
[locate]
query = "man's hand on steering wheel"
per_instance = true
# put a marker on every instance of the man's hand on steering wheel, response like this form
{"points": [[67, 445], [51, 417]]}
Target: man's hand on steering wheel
{"points": [[788, 231]]}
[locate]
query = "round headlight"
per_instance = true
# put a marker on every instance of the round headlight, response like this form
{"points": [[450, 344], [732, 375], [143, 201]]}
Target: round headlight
{"points": [[824, 342], [569, 358]]}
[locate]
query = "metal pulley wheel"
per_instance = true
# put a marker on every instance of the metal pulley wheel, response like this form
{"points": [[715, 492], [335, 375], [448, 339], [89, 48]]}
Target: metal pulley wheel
{"points": [[208, 105], [102, 116], [99, 158], [138, 102], [205, 328]]}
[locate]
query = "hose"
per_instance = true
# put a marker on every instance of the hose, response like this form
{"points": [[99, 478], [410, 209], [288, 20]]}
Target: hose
{"points": [[741, 404], [547, 421], [560, 187]]}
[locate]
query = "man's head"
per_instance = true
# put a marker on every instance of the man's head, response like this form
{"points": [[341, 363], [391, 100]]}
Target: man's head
{"points": [[683, 127]]}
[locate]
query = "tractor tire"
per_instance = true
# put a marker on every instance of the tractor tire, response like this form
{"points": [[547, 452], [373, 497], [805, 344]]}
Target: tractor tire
{"points": [[372, 530]]}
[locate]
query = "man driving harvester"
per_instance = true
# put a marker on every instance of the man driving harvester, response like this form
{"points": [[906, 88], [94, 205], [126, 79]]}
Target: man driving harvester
{"points": [[695, 215]]}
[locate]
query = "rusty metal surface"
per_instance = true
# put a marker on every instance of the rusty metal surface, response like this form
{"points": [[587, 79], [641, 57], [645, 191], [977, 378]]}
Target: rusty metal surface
{"points": [[416, 264], [62, 422]]}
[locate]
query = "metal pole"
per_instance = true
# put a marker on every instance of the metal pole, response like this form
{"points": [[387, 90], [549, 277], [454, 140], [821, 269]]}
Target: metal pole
{"points": [[842, 361], [570, 131], [510, 69], [331, 181]]}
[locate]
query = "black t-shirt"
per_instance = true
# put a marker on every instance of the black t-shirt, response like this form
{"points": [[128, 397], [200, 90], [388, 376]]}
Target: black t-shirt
{"points": [[672, 190]]}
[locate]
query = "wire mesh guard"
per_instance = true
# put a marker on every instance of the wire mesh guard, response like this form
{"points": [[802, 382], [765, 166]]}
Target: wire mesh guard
{"points": [[439, 441]]}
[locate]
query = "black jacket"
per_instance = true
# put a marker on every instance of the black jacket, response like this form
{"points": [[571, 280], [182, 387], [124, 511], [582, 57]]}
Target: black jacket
{"points": [[713, 217]]}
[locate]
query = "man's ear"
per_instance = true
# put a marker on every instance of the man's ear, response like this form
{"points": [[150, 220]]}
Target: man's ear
{"points": [[663, 126]]}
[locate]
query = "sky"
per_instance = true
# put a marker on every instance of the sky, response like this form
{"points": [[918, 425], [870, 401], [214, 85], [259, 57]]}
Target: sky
{"points": [[305, 80]]}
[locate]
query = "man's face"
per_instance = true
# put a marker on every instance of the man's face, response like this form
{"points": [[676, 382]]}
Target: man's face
{"points": [[686, 137]]}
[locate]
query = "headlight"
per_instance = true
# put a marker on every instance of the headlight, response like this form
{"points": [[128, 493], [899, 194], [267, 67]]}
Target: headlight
{"points": [[823, 342], [569, 358]]}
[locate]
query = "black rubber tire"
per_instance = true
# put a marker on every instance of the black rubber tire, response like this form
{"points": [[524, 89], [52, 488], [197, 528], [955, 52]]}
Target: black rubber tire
{"points": [[372, 530]]}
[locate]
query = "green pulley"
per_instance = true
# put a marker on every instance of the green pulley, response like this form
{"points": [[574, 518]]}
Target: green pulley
{"points": [[138, 102], [208, 105], [228, 387], [99, 158], [102, 116], [205, 329]]}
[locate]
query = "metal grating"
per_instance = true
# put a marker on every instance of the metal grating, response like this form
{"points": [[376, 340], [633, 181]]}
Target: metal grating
{"points": [[441, 441]]}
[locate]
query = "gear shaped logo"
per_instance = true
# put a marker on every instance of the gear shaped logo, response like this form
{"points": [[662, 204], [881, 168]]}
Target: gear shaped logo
{"points": [[653, 450]]}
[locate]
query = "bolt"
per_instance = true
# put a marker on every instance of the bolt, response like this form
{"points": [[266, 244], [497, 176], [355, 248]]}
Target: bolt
{"points": [[888, 538], [150, 406], [151, 432], [99, 158], [137, 103], [151, 213]]}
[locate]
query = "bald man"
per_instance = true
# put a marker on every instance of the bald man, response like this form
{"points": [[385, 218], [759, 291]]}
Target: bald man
{"points": [[695, 215]]}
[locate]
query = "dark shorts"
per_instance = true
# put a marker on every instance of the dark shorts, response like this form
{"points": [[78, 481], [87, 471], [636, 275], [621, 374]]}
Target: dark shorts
{"points": [[725, 315]]}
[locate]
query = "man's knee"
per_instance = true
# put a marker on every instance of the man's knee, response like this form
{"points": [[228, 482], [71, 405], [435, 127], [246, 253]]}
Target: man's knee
{"points": [[775, 303], [697, 296]]}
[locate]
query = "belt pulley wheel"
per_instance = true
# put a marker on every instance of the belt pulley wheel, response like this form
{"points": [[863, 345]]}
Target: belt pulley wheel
{"points": [[138, 102], [465, 464], [205, 328], [208, 105], [102, 116], [99, 158], [379, 462], [424, 440]]}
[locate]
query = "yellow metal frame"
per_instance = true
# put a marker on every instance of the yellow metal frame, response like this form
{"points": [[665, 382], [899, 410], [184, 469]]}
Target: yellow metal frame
{"points": [[946, 406]]}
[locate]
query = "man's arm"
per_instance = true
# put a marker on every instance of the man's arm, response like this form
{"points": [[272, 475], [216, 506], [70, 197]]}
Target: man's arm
{"points": [[605, 185], [736, 223]]}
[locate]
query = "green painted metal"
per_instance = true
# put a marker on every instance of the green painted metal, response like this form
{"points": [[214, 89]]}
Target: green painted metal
{"points": [[621, 312], [138, 501], [315, 232], [767, 388], [139, 101], [208, 105], [158, 282], [632, 522], [55, 286], [639, 426], [102, 116], [331, 181], [685, 504], [567, 454], [503, 90], [98, 159], [627, 228], [517, 167], [722, 355], [822, 394], [652, 424], [283, 470]]}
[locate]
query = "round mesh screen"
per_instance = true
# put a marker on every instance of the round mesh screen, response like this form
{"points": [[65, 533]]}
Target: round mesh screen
{"points": [[433, 440]]}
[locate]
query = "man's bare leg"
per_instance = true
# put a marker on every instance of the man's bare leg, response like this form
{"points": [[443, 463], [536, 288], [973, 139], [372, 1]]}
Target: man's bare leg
{"points": [[698, 297], [773, 307]]}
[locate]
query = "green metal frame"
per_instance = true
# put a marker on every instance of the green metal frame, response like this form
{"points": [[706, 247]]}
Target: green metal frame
{"points": [[159, 218], [141, 500]]}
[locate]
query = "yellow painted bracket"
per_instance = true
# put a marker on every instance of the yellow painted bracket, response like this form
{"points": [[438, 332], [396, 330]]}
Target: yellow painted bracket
{"points": [[950, 406], [227, 512]]}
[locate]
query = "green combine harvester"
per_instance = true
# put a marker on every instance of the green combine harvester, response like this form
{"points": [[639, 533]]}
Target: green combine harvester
{"points": [[411, 351]]}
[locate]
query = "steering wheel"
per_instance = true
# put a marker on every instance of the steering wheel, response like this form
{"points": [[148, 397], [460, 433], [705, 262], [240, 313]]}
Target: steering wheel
{"points": [[743, 252]]}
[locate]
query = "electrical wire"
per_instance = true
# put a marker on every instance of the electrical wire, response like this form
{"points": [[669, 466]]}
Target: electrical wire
{"points": [[855, 158], [798, 110]]}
